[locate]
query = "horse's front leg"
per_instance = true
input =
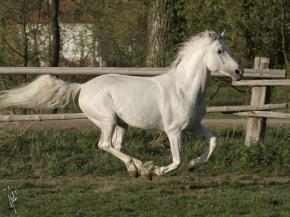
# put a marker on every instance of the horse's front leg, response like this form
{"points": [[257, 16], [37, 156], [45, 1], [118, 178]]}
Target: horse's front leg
{"points": [[203, 132], [175, 146]]}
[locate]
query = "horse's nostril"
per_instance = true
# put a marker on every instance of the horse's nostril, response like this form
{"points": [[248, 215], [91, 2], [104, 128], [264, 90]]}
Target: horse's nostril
{"points": [[237, 71]]}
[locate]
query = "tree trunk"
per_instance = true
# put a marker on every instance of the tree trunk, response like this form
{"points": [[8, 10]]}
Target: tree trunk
{"points": [[24, 34], [24, 40], [283, 32], [36, 51], [54, 59], [24, 44], [158, 32], [55, 46]]}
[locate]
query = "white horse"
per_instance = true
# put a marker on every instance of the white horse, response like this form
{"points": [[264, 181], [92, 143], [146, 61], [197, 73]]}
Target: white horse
{"points": [[170, 102]]}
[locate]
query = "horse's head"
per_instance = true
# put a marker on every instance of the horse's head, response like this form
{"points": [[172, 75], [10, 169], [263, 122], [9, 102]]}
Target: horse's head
{"points": [[218, 58]]}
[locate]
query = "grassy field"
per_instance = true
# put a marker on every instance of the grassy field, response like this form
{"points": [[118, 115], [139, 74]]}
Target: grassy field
{"points": [[72, 152], [60, 173], [169, 196]]}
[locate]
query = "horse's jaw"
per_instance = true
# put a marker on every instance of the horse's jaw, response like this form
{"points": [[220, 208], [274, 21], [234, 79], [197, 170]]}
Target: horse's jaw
{"points": [[233, 75]]}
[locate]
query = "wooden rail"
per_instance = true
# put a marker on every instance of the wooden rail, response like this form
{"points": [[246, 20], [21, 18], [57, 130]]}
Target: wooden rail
{"points": [[42, 117], [249, 73], [71, 116], [262, 83], [231, 109], [264, 114]]}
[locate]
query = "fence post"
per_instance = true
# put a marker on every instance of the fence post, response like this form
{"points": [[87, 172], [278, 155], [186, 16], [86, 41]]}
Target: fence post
{"points": [[256, 127]]}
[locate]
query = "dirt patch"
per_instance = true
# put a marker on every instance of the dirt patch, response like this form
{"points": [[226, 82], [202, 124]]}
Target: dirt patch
{"points": [[88, 125], [118, 180], [53, 124]]}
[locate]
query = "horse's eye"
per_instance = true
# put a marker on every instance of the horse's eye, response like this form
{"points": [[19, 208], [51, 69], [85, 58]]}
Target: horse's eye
{"points": [[219, 51]]}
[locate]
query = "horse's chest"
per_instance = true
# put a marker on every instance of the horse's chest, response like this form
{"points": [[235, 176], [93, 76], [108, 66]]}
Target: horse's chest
{"points": [[191, 115]]}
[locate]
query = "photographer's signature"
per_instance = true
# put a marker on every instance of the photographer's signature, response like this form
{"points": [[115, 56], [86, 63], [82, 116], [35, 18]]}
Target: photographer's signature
{"points": [[11, 193]]}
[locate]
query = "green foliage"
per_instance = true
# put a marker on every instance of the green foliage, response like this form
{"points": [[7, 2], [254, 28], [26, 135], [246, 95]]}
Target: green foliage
{"points": [[120, 30], [253, 27]]}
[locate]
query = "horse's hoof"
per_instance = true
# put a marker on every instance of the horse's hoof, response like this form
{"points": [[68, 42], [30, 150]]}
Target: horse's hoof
{"points": [[192, 165], [148, 175], [132, 169], [134, 174], [149, 165], [147, 170], [157, 171]]}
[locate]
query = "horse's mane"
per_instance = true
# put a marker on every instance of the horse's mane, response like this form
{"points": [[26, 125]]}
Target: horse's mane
{"points": [[187, 47]]}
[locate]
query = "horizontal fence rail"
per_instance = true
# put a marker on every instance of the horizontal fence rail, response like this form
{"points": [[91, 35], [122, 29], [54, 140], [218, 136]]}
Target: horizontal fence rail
{"points": [[42, 117], [262, 83], [231, 109], [137, 71], [71, 116], [264, 114]]}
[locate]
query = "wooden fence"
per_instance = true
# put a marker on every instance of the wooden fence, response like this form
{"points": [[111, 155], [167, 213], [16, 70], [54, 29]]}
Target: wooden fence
{"points": [[257, 111]]}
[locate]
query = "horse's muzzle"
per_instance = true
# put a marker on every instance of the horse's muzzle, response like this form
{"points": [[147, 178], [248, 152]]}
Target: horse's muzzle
{"points": [[239, 74]]}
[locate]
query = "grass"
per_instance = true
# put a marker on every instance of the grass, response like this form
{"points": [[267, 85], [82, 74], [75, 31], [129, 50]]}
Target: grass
{"points": [[177, 196], [73, 153], [60, 173]]}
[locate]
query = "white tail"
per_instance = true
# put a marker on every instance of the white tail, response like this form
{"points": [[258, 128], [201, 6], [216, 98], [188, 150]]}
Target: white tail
{"points": [[45, 92]]}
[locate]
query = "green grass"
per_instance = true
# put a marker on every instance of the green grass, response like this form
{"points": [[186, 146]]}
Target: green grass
{"points": [[115, 196], [60, 173], [74, 153]]}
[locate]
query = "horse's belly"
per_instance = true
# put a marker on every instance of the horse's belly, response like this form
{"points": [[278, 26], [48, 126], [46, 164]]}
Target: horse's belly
{"points": [[142, 116]]}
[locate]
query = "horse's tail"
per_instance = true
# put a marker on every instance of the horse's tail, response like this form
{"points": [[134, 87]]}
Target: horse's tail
{"points": [[45, 92]]}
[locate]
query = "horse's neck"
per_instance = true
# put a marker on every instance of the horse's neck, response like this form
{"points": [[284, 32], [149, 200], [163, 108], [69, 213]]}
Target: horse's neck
{"points": [[191, 79]]}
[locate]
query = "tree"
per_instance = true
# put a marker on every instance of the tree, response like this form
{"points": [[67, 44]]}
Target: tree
{"points": [[284, 22], [15, 31], [55, 47], [158, 32]]}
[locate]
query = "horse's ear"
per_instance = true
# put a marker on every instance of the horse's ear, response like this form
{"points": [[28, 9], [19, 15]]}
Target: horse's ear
{"points": [[223, 33]]}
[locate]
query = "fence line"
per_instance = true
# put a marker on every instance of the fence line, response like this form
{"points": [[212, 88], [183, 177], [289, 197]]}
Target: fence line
{"points": [[231, 109], [264, 114], [261, 83], [71, 116], [134, 71], [42, 117], [257, 111]]}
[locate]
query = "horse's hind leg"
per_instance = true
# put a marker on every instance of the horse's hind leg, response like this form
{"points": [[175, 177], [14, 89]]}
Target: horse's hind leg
{"points": [[118, 140], [105, 144], [118, 144], [118, 137], [134, 166], [203, 132]]}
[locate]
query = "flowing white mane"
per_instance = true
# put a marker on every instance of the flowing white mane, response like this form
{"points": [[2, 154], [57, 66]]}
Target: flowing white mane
{"points": [[188, 46]]}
